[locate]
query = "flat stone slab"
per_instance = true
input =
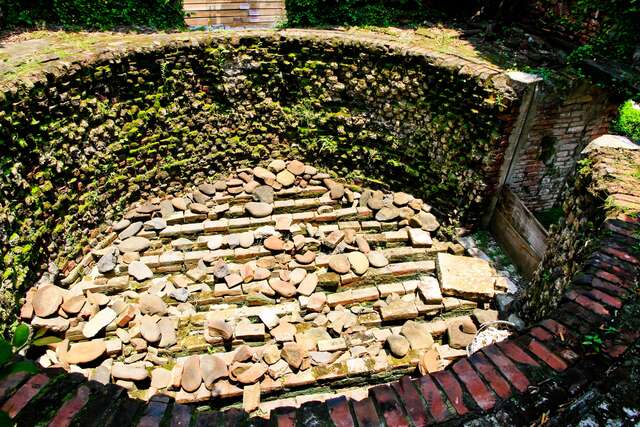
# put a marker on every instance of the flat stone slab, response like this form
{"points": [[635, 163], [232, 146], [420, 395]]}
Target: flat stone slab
{"points": [[466, 277]]}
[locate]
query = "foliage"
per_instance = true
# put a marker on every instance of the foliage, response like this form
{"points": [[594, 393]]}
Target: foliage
{"points": [[323, 13], [92, 14], [8, 361], [628, 122]]}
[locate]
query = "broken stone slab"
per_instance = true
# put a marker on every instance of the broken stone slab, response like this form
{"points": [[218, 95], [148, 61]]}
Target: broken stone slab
{"points": [[98, 322], [258, 209], [139, 271], [131, 372], [399, 310], [461, 332], [465, 277], [251, 397], [419, 338], [191, 374], [85, 352], [213, 367], [398, 345]]}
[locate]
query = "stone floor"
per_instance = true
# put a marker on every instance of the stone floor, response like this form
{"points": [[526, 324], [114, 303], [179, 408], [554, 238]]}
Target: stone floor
{"points": [[266, 281]]}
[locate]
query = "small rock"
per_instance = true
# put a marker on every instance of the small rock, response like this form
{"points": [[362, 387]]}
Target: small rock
{"points": [[207, 188], [263, 174], [168, 336], [340, 264], [220, 328], [359, 262], [155, 224], [264, 194], [180, 294], [424, 220], [134, 244], [285, 178], [293, 353], [47, 300], [270, 354], [316, 301], [139, 271], [401, 199], [149, 329], [387, 214], [308, 284], [296, 167], [98, 322], [131, 372], [191, 374], [429, 362], [85, 352], [484, 316], [277, 165], [398, 345], [108, 261], [419, 338], [160, 378], [198, 208], [73, 304], [152, 304], [259, 209], [130, 231], [215, 242], [420, 238], [250, 374], [274, 243], [251, 397], [179, 203], [283, 288], [377, 259], [120, 225], [213, 368], [306, 258]]}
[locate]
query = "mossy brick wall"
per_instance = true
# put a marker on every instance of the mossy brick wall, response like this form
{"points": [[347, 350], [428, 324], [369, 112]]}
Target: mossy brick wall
{"points": [[77, 146], [598, 202], [566, 120]]}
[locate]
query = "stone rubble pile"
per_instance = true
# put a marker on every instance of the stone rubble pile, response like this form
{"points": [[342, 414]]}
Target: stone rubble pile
{"points": [[271, 278]]}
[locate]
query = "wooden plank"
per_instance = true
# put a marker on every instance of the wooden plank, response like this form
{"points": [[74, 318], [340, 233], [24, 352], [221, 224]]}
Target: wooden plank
{"points": [[234, 6], [238, 13], [231, 20]]}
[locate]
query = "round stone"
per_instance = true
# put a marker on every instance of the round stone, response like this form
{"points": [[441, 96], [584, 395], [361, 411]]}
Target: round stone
{"points": [[296, 167], [387, 214], [134, 244], [130, 231], [120, 225], [274, 243], [340, 264], [286, 289], [198, 208], [398, 345], [306, 258], [401, 199], [258, 209], [47, 300], [264, 194], [130, 372], [377, 259], [85, 352], [285, 178], [262, 173], [179, 203], [359, 262], [207, 188], [73, 304], [277, 165]]}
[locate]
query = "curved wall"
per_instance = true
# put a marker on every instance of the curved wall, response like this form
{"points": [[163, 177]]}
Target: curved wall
{"points": [[81, 142]]}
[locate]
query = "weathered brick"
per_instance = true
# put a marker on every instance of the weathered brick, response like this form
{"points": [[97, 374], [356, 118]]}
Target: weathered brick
{"points": [[540, 334], [452, 389], [515, 377], [153, 413], [10, 382], [365, 412], [497, 382], [517, 354], [435, 401], [180, 415], [24, 394], [478, 391], [411, 400], [388, 403], [544, 354], [600, 296], [339, 412], [621, 255], [70, 408], [588, 303], [608, 287]]}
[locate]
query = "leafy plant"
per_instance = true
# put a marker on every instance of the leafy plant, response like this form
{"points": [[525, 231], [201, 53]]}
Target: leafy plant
{"points": [[628, 122], [8, 362]]}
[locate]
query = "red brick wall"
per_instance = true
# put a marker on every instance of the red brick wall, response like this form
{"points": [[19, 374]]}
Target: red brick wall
{"points": [[563, 125]]}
